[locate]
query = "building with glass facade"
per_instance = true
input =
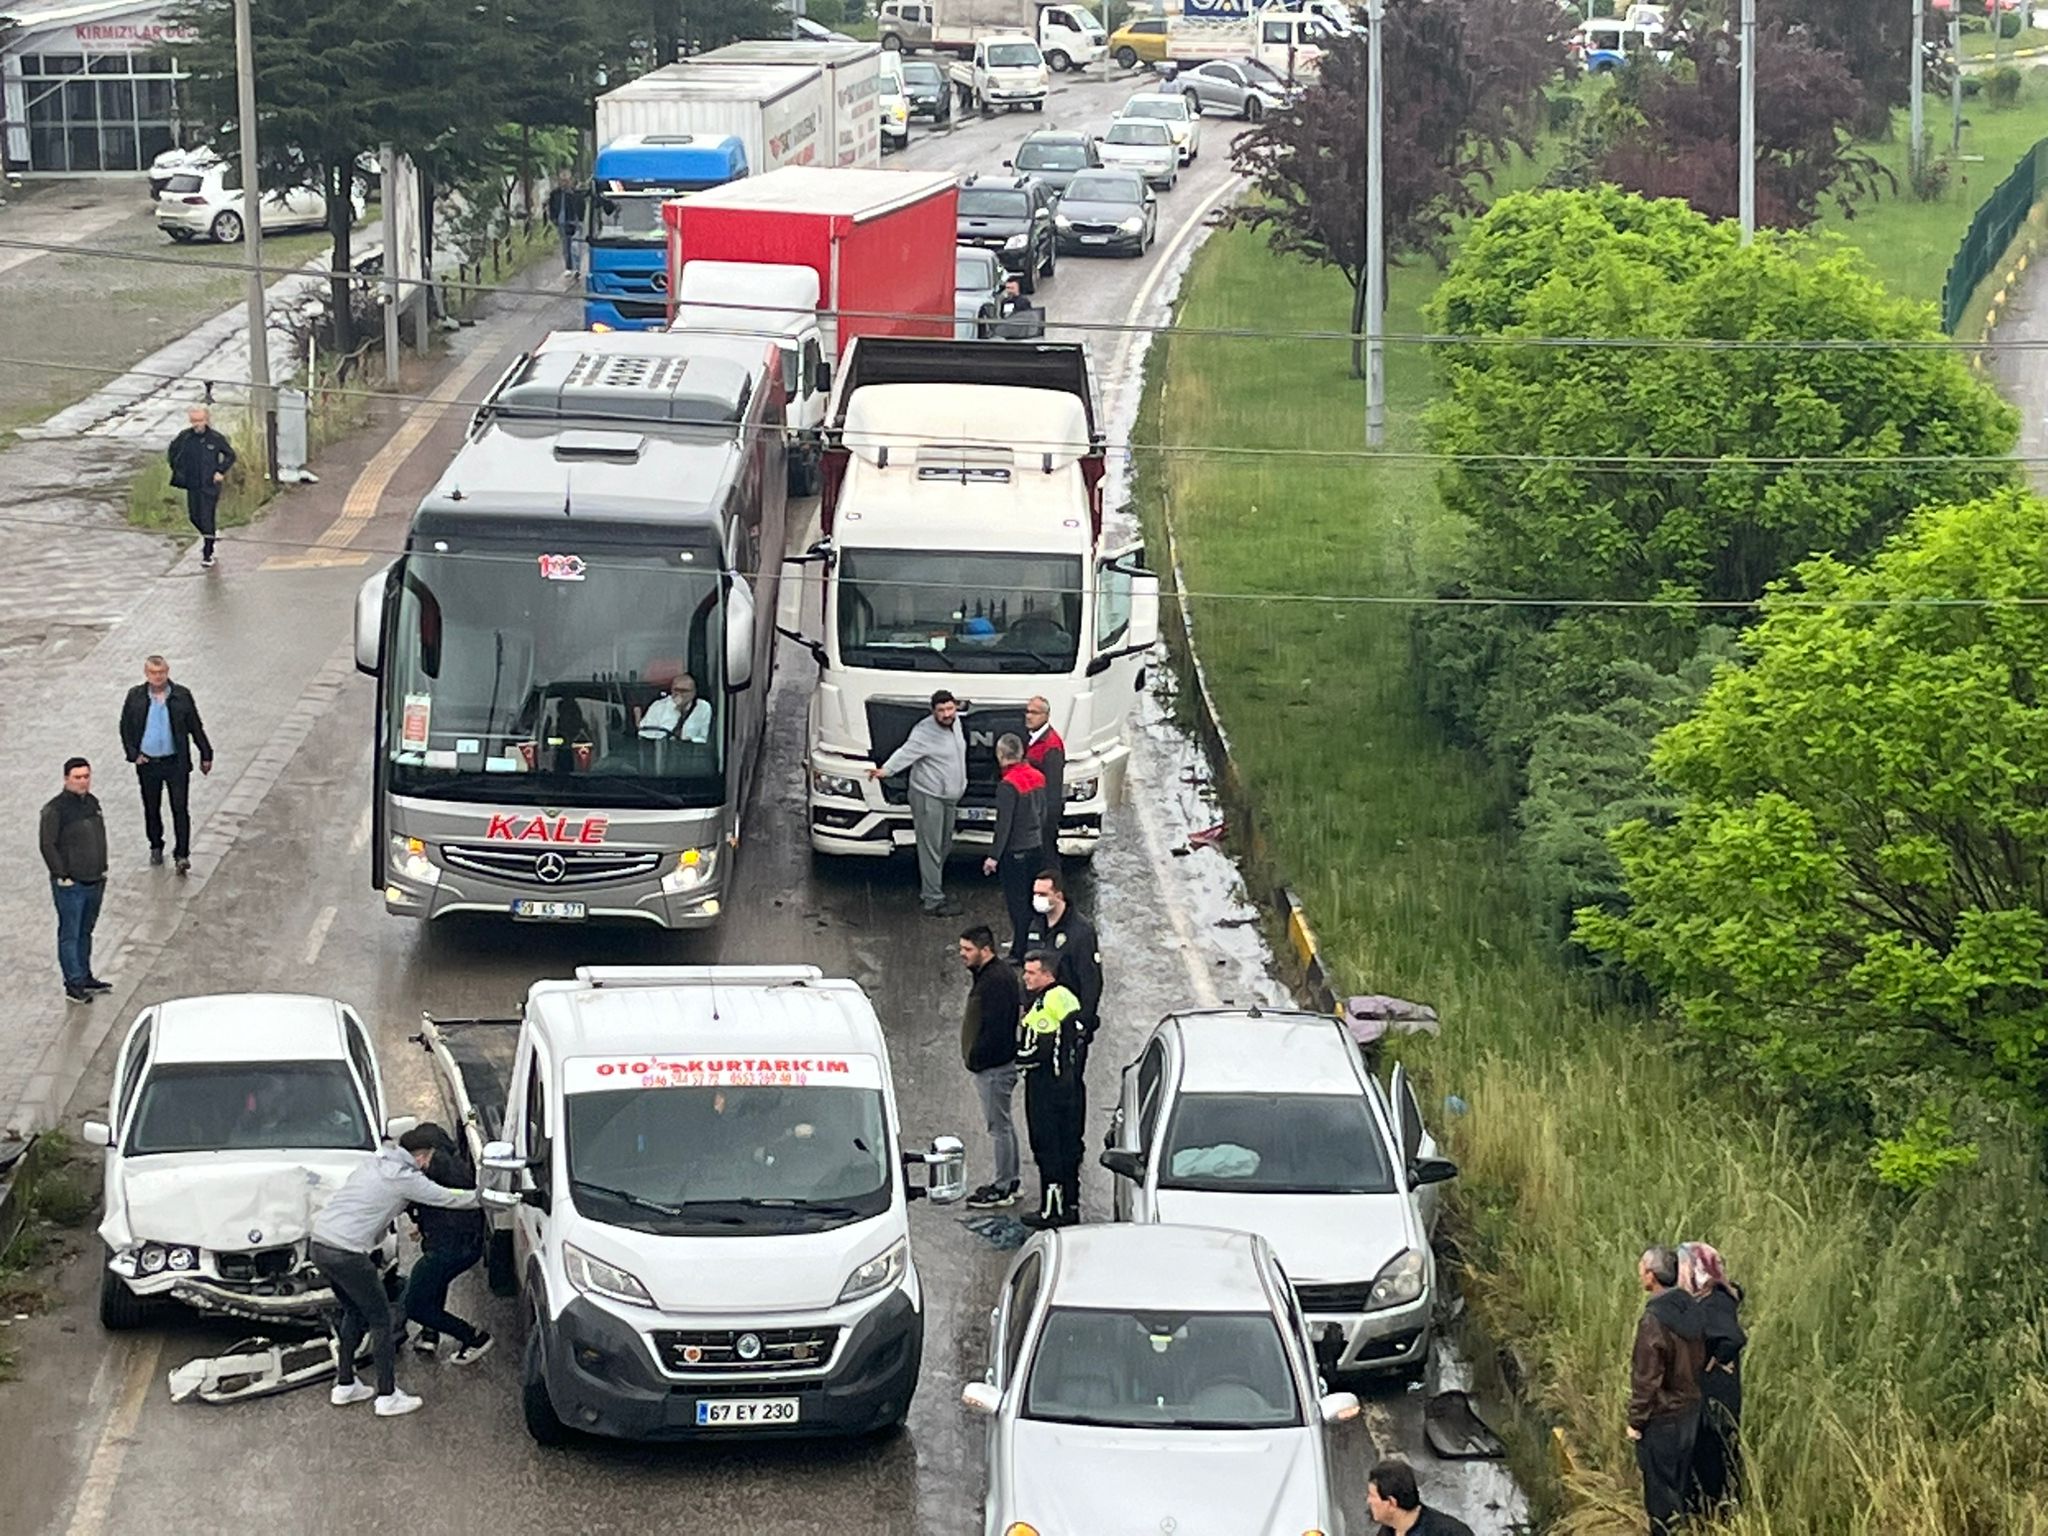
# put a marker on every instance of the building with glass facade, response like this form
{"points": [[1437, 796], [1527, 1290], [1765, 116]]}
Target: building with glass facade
{"points": [[90, 86]]}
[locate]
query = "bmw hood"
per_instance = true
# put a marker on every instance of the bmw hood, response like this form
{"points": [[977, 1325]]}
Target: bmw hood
{"points": [[228, 1201], [1224, 1482], [1320, 1239]]}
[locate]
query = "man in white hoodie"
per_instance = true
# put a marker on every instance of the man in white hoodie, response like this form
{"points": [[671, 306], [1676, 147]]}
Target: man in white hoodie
{"points": [[935, 752], [345, 1234]]}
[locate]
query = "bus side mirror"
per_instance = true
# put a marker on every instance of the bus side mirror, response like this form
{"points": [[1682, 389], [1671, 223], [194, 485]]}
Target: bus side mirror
{"points": [[739, 635], [370, 622]]}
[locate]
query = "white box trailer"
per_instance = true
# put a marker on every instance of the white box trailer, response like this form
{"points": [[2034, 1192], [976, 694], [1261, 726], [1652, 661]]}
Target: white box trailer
{"points": [[781, 112], [853, 76]]}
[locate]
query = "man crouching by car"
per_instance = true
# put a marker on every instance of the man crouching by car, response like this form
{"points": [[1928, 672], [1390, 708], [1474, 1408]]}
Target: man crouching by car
{"points": [[450, 1243], [346, 1233]]}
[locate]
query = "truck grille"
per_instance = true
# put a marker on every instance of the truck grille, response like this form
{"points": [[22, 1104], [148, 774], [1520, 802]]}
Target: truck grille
{"points": [[641, 309], [1334, 1298], [725, 1351], [521, 866]]}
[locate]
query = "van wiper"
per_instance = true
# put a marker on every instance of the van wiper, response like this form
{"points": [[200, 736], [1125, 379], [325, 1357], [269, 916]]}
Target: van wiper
{"points": [[628, 1197]]}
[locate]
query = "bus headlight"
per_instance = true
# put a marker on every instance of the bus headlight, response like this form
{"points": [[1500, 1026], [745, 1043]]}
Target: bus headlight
{"points": [[693, 871], [409, 861]]}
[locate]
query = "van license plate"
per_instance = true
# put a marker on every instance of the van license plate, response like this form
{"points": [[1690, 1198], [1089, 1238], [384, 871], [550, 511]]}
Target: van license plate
{"points": [[747, 1410], [551, 911], [977, 813]]}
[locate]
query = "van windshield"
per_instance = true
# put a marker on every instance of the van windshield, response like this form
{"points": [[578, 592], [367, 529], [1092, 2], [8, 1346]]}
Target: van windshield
{"points": [[726, 1158]]}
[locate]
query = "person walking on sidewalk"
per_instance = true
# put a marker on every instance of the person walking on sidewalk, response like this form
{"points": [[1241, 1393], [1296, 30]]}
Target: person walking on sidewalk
{"points": [[450, 1243], [74, 844], [1055, 1096], [988, 1047], [935, 752], [1062, 932], [1015, 855], [159, 724], [565, 212], [200, 460], [345, 1233], [1044, 751]]}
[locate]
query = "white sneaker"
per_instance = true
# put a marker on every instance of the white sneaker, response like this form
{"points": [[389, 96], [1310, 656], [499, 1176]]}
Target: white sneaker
{"points": [[398, 1402], [354, 1392]]}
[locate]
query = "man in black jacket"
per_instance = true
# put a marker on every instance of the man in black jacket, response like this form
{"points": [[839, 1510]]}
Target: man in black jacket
{"points": [[1394, 1499], [1020, 821], [565, 212], [451, 1241], [988, 1048], [159, 724], [1070, 938], [1664, 1389], [73, 836], [200, 459]]}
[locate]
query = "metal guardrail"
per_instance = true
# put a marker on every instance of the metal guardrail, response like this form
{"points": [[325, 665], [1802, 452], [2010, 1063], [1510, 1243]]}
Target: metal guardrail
{"points": [[1997, 220]]}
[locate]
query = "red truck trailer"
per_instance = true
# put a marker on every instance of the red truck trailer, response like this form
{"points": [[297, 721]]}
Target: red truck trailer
{"points": [[880, 242]]}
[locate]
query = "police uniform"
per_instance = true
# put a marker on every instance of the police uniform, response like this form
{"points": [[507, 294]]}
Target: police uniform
{"points": [[1077, 964], [1051, 1053]]}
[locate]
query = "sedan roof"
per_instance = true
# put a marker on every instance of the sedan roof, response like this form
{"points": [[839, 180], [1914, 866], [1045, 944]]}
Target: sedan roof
{"points": [[1119, 1265], [248, 1026], [1237, 1051]]}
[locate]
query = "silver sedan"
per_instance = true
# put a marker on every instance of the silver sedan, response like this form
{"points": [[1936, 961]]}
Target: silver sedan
{"points": [[1154, 1379], [1143, 145]]}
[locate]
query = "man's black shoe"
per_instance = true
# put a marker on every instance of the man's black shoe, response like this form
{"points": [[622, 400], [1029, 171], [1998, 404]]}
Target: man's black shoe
{"points": [[184, 866], [156, 856], [94, 984], [78, 994], [948, 908]]}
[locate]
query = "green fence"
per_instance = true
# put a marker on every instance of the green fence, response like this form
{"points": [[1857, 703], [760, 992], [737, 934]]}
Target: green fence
{"points": [[1998, 219]]}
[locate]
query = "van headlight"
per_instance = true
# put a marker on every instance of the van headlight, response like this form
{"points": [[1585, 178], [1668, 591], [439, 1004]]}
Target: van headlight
{"points": [[835, 786], [1081, 789], [409, 861], [1400, 1282], [693, 871], [594, 1277], [881, 1273]]}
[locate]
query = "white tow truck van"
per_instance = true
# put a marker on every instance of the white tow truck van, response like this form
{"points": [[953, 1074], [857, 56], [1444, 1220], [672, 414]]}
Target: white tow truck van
{"points": [[698, 1194]]}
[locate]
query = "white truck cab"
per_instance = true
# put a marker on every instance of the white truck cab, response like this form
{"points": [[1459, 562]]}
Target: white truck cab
{"points": [[230, 1122], [698, 1194], [1007, 70], [760, 298]]}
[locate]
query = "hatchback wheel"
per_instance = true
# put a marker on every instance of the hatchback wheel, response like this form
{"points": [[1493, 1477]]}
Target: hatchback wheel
{"points": [[1127, 57], [227, 228]]}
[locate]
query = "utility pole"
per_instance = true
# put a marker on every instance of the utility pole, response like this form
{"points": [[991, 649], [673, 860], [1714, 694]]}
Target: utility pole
{"points": [[1955, 80], [262, 406], [1375, 238], [1918, 158], [1748, 179]]}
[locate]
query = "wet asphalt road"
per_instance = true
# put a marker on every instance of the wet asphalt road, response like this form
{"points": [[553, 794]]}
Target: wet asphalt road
{"points": [[292, 910]]}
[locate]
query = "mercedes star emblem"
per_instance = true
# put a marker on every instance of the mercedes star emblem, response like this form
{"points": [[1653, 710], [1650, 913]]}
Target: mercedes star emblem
{"points": [[661, 282], [748, 1346], [549, 868]]}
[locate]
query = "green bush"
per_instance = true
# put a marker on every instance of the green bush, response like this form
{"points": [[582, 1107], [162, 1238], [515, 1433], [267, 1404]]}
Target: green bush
{"points": [[1973, 86], [2002, 85]]}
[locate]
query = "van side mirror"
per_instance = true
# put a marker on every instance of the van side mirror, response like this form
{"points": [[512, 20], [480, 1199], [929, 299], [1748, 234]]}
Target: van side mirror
{"points": [[1125, 1164], [980, 1397], [945, 1164], [98, 1134], [498, 1174], [739, 635]]}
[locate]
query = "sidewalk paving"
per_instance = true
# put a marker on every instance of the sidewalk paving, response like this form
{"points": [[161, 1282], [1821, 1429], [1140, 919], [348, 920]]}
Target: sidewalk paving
{"points": [[83, 599]]}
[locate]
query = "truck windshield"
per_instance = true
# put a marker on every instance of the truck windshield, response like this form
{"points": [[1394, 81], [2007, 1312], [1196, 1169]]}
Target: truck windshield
{"points": [[943, 611], [729, 1160], [249, 1105], [532, 676], [1013, 55], [633, 216]]}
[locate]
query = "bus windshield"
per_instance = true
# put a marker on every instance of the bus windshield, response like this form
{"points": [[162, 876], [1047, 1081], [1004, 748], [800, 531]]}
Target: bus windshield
{"points": [[558, 676]]}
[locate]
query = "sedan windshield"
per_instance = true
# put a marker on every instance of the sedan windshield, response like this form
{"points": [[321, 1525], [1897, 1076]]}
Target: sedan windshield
{"points": [[921, 72], [1260, 72], [729, 1160], [942, 611], [1276, 1143], [1013, 55], [1052, 155], [238, 1106], [1125, 131], [1153, 1370], [1166, 108], [992, 203], [1110, 188]]}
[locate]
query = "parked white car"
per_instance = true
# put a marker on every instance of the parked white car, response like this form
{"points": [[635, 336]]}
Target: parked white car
{"points": [[1270, 1122], [1154, 1379], [1140, 144], [172, 161], [232, 1120], [1182, 117], [206, 203], [894, 103]]}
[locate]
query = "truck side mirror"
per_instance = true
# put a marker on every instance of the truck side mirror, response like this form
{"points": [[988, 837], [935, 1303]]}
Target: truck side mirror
{"points": [[824, 376], [739, 635], [370, 623], [1144, 631]]}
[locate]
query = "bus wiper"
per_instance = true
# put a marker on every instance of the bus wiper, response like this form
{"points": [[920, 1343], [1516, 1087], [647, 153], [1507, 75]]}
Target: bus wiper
{"points": [[628, 1197]]}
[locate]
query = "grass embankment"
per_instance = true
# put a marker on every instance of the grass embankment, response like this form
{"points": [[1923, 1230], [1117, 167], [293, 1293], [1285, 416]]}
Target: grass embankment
{"points": [[1895, 1379], [61, 1195]]}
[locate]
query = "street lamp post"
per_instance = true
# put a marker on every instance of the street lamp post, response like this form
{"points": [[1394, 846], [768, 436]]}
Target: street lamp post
{"points": [[1918, 158], [262, 408], [1375, 238], [1955, 79], [1748, 176]]}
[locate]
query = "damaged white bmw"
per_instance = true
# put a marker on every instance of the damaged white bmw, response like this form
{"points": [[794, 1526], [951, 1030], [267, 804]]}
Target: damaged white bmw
{"points": [[233, 1120]]}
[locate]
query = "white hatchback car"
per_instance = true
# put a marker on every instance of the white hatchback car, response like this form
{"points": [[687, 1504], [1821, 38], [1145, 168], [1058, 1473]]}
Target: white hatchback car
{"points": [[1144, 145], [1270, 1122], [206, 203], [1154, 1379], [1182, 117]]}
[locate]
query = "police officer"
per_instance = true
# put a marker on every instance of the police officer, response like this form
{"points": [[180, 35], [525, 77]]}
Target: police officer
{"points": [[1062, 932], [1049, 1052]]}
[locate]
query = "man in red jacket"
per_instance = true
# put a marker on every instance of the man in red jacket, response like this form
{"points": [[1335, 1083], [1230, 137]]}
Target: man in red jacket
{"points": [[1020, 821], [1044, 751]]}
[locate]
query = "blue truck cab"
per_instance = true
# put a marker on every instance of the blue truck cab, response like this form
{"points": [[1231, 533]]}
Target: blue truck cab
{"points": [[626, 281]]}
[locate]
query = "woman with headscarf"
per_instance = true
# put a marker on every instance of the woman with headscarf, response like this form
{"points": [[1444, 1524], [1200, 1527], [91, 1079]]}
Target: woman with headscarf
{"points": [[1716, 1454]]}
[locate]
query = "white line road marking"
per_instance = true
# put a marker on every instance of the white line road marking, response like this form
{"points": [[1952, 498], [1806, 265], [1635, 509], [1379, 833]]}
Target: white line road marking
{"points": [[316, 938], [103, 1471], [360, 839]]}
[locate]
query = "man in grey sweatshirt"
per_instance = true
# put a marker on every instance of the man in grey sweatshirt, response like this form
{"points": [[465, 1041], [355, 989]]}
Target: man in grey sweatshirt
{"points": [[935, 752]]}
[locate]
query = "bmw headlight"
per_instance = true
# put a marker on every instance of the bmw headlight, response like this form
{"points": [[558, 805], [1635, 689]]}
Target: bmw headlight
{"points": [[1132, 225], [594, 1277], [1401, 1281], [694, 868], [1015, 243], [409, 861], [883, 1272], [1081, 789], [836, 786], [183, 1259], [153, 1258]]}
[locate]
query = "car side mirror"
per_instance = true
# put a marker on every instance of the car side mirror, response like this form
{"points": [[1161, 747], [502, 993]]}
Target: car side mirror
{"points": [[980, 1397], [1431, 1170], [1125, 1164], [1009, 165], [1337, 1407], [98, 1134]]}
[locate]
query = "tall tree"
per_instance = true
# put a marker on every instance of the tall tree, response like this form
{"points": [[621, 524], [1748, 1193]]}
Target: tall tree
{"points": [[1463, 81], [1875, 41]]}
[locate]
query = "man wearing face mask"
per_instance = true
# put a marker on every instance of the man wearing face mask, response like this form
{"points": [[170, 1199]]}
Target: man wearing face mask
{"points": [[1069, 938]]}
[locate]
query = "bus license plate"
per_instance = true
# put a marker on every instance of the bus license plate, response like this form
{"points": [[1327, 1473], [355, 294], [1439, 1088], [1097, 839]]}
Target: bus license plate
{"points": [[978, 813], [551, 911], [747, 1410]]}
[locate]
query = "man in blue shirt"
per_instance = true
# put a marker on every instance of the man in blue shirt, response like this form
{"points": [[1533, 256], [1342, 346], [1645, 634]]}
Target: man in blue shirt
{"points": [[160, 724]]}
